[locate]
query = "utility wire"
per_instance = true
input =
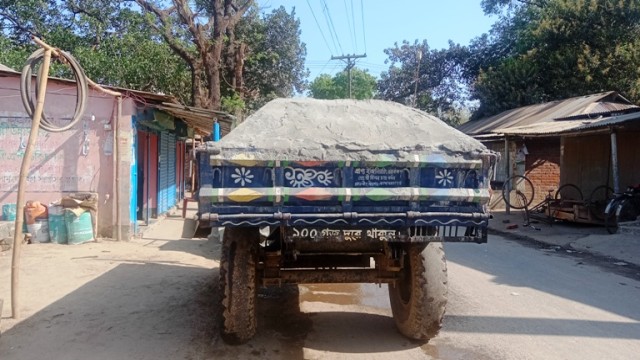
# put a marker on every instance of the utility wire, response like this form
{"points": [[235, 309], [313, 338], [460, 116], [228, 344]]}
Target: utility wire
{"points": [[350, 24], [364, 34], [319, 28], [353, 21], [332, 28], [323, 67], [333, 71]]}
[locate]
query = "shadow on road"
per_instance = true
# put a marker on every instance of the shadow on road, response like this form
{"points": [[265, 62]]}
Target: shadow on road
{"points": [[134, 311], [552, 272], [538, 326]]}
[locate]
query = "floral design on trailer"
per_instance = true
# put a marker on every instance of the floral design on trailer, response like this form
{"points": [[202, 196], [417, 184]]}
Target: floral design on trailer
{"points": [[242, 176], [444, 177]]}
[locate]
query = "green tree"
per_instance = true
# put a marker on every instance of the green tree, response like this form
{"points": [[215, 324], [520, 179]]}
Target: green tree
{"points": [[363, 85], [117, 49], [191, 50], [428, 79], [553, 49], [275, 56], [11, 54]]}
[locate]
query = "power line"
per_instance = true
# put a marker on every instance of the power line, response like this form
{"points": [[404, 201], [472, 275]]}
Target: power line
{"points": [[319, 28], [353, 21], [324, 66], [364, 34], [350, 24], [334, 69], [332, 28], [373, 65]]}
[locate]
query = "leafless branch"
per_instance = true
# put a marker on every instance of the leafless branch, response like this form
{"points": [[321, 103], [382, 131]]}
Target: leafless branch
{"points": [[165, 30]]}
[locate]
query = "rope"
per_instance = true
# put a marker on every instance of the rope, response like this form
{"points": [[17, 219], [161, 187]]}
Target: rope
{"points": [[81, 86]]}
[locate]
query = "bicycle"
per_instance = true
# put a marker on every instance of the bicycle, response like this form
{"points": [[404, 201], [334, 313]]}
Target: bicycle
{"points": [[518, 192], [598, 200], [622, 208]]}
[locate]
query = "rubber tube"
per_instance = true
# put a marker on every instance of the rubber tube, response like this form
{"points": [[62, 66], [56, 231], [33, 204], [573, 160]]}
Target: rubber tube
{"points": [[81, 86]]}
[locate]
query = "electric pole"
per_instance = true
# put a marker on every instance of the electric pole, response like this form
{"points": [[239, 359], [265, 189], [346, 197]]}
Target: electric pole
{"points": [[351, 62]]}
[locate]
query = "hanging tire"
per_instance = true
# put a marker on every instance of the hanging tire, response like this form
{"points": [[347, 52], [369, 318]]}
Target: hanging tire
{"points": [[419, 297], [238, 284]]}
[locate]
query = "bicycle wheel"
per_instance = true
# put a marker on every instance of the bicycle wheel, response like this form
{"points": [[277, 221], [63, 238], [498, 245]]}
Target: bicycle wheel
{"points": [[610, 219], [512, 186], [598, 201], [521, 200], [569, 192]]}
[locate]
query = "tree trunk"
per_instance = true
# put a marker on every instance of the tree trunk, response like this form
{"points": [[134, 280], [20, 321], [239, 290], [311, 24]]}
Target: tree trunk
{"points": [[214, 81], [239, 66], [209, 41]]}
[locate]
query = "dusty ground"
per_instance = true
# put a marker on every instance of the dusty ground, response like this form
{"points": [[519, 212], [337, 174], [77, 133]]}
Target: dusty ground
{"points": [[155, 298], [109, 300]]}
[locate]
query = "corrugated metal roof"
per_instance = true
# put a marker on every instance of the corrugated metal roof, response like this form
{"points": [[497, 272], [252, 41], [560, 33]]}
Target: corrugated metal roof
{"points": [[569, 126], [143, 96], [5, 68], [200, 119], [606, 102]]}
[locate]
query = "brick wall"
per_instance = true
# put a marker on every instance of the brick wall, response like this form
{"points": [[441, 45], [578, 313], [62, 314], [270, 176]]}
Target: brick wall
{"points": [[543, 165]]}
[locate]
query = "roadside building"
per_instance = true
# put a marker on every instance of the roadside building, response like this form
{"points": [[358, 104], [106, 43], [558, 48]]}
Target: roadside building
{"points": [[588, 141], [130, 151]]}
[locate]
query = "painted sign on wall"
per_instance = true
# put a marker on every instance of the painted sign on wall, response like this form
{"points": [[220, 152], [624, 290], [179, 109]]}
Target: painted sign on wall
{"points": [[62, 162]]}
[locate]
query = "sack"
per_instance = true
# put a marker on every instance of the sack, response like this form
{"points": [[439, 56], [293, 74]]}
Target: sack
{"points": [[39, 231]]}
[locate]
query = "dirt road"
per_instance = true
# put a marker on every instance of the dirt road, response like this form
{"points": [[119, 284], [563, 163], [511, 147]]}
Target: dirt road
{"points": [[154, 298]]}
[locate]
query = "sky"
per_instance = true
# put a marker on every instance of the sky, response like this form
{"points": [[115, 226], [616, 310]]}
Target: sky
{"points": [[375, 25]]}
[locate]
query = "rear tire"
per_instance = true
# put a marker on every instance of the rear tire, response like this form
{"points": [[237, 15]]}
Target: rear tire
{"points": [[238, 284], [419, 297], [610, 218], [627, 212]]}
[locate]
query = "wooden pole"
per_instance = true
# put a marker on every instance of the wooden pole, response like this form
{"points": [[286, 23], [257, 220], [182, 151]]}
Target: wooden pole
{"points": [[193, 165], [615, 164], [507, 172], [116, 155], [26, 164], [24, 171]]}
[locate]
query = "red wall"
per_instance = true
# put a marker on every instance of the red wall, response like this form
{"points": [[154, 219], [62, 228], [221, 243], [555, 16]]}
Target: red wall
{"points": [[543, 165], [77, 160]]}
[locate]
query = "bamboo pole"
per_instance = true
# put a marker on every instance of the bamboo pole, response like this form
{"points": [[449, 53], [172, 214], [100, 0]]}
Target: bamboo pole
{"points": [[24, 171], [116, 154], [26, 164]]}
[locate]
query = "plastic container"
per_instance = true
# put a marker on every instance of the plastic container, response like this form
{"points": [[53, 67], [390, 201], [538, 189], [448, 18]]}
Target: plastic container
{"points": [[57, 225], [39, 231], [33, 211], [79, 228], [9, 212]]}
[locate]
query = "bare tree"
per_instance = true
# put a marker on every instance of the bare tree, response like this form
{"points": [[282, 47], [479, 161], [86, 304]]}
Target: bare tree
{"points": [[197, 31]]}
